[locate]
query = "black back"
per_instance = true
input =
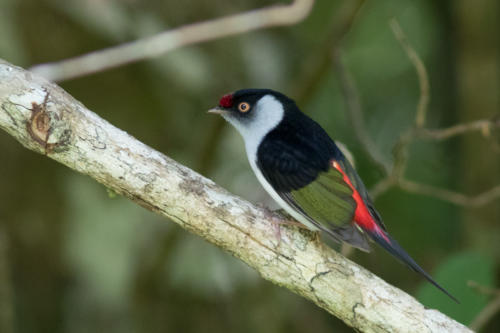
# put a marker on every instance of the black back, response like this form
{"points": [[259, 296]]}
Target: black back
{"points": [[294, 153]]}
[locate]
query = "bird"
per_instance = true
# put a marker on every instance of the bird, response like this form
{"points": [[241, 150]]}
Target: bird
{"points": [[306, 173]]}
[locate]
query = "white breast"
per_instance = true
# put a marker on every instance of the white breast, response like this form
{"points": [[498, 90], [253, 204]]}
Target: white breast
{"points": [[289, 209], [267, 115]]}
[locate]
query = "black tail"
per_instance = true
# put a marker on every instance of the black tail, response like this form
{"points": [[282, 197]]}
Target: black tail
{"points": [[397, 251]]}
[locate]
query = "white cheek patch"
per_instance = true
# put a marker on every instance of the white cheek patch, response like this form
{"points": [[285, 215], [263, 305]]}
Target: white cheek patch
{"points": [[267, 114]]}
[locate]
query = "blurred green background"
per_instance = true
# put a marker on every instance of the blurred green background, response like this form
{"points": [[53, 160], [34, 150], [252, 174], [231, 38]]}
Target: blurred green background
{"points": [[74, 258]]}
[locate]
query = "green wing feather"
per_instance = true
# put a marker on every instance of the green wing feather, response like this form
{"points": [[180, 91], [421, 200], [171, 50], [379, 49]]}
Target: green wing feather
{"points": [[327, 200]]}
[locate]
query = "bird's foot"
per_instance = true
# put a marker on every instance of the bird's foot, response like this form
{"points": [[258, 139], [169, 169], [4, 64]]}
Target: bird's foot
{"points": [[346, 250], [283, 219], [282, 212], [278, 222]]}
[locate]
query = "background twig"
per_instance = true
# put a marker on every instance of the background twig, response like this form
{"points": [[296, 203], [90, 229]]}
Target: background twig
{"points": [[353, 108], [161, 43], [489, 311], [395, 173], [484, 126], [423, 77]]}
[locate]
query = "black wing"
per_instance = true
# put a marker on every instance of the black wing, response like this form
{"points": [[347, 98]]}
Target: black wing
{"points": [[295, 158]]}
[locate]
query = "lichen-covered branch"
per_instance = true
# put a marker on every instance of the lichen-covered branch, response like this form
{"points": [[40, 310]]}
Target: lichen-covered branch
{"points": [[47, 120]]}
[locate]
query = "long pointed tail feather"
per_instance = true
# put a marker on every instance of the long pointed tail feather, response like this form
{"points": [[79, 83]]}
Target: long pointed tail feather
{"points": [[392, 246]]}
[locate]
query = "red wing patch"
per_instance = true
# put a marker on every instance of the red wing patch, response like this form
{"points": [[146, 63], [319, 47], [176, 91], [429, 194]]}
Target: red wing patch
{"points": [[362, 216]]}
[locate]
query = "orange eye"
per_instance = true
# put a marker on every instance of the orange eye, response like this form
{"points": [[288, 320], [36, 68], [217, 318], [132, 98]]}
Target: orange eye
{"points": [[244, 107]]}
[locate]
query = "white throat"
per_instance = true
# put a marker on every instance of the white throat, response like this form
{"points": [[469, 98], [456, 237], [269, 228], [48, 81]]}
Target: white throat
{"points": [[267, 115]]}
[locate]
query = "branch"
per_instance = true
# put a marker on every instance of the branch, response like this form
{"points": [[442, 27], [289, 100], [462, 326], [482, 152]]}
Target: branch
{"points": [[353, 108], [169, 40], [316, 64], [423, 77], [486, 314], [483, 290], [450, 196], [45, 119], [395, 173], [489, 311], [484, 126]]}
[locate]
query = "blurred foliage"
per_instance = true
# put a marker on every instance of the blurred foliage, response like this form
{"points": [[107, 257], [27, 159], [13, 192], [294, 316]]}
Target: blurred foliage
{"points": [[455, 272], [80, 260]]}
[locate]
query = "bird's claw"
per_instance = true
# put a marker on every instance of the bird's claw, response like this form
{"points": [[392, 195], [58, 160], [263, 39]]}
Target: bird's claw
{"points": [[277, 222]]}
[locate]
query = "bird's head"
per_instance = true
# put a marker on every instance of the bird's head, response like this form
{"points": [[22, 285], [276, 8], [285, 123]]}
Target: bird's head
{"points": [[253, 112]]}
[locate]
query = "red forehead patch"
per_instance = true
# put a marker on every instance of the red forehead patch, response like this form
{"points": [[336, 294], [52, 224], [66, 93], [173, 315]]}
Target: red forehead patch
{"points": [[226, 101]]}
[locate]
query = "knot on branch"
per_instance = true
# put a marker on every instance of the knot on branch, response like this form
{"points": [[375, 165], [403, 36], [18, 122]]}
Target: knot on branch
{"points": [[47, 129]]}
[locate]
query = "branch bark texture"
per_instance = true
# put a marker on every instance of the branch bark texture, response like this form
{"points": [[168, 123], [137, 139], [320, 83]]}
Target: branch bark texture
{"points": [[47, 120]]}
